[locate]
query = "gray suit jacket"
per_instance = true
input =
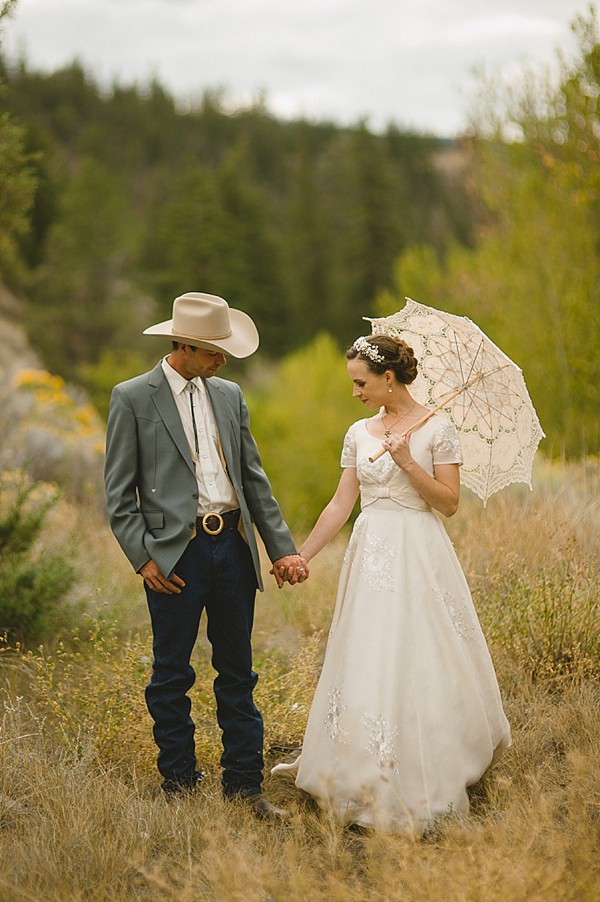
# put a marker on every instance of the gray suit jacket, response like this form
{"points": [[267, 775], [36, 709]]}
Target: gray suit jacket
{"points": [[151, 490]]}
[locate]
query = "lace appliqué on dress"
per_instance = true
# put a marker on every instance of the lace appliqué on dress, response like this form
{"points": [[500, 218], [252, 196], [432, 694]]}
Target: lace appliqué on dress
{"points": [[348, 457], [379, 472], [446, 445], [333, 716], [456, 614], [381, 741], [376, 564]]}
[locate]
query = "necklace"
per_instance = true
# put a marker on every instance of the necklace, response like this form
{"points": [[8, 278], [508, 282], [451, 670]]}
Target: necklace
{"points": [[388, 432]]}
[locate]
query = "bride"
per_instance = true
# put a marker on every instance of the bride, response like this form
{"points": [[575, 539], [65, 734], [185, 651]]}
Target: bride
{"points": [[407, 712]]}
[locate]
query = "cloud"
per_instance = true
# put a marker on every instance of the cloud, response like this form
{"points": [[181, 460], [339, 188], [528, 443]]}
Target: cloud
{"points": [[341, 59]]}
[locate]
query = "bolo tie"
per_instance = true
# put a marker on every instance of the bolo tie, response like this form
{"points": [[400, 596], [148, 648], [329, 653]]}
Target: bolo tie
{"points": [[192, 388]]}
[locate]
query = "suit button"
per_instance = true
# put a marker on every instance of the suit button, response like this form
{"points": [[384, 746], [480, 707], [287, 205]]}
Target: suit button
{"points": [[192, 525], [195, 496]]}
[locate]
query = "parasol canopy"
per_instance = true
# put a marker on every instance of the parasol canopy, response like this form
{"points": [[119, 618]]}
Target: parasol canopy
{"points": [[468, 378]]}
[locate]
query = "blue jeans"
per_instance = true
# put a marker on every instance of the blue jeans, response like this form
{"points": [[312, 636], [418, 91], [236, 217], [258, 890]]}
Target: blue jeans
{"points": [[219, 575]]}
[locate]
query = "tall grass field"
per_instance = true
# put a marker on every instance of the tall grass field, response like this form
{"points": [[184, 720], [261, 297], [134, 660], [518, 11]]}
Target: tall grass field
{"points": [[81, 813]]}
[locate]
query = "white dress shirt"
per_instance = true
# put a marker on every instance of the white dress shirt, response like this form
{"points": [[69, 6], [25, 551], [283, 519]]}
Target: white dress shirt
{"points": [[215, 492]]}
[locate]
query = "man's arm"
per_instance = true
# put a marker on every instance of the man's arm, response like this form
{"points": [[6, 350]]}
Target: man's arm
{"points": [[121, 479]]}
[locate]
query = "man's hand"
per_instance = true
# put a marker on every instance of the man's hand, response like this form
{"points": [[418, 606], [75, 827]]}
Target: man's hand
{"points": [[292, 568], [157, 582]]}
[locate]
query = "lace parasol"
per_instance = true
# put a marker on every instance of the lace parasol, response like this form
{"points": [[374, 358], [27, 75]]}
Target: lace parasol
{"points": [[466, 376]]}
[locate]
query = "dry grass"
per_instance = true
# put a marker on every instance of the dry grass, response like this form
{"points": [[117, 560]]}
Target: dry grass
{"points": [[73, 829], [81, 816]]}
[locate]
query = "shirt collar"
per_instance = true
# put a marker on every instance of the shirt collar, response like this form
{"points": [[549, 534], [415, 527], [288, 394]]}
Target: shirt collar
{"points": [[176, 381]]}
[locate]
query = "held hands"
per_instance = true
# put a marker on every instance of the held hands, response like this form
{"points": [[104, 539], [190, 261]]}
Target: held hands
{"points": [[293, 568], [157, 582]]}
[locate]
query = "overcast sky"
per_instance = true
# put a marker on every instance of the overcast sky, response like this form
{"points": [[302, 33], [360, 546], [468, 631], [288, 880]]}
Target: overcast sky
{"points": [[407, 61]]}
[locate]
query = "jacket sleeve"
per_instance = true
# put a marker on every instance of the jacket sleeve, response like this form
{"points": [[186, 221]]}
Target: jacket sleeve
{"points": [[121, 479], [263, 507]]}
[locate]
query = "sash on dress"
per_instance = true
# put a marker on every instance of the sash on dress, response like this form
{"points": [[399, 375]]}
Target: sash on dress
{"points": [[403, 495]]}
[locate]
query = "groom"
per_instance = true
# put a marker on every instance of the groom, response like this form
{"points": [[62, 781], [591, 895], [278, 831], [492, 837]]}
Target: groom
{"points": [[184, 489]]}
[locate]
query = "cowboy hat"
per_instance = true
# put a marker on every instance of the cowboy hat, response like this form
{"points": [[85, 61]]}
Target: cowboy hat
{"points": [[207, 321]]}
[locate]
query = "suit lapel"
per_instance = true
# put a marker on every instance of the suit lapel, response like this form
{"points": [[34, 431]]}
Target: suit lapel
{"points": [[165, 404]]}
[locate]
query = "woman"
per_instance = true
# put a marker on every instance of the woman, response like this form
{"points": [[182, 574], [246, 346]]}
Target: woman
{"points": [[407, 712]]}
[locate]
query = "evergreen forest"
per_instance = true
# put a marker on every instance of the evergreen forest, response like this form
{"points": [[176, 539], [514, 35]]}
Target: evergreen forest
{"points": [[118, 200], [138, 200]]}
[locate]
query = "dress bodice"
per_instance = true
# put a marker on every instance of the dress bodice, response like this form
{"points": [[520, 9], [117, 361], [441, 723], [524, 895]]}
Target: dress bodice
{"points": [[435, 442]]}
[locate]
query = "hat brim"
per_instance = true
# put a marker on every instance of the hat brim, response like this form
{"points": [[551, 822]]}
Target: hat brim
{"points": [[242, 342]]}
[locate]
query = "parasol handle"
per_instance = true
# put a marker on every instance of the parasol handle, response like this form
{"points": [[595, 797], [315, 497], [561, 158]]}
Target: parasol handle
{"points": [[429, 414]]}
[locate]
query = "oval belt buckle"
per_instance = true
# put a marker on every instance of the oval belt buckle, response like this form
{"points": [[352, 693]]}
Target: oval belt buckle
{"points": [[209, 528]]}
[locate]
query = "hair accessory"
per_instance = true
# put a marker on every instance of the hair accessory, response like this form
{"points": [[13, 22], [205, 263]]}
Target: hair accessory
{"points": [[368, 350]]}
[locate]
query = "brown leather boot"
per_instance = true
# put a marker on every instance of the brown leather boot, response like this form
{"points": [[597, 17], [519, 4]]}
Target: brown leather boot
{"points": [[264, 809]]}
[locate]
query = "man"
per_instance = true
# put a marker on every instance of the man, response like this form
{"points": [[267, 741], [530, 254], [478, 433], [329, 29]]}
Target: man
{"points": [[184, 486]]}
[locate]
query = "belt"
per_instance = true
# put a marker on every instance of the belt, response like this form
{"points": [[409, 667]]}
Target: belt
{"points": [[214, 523]]}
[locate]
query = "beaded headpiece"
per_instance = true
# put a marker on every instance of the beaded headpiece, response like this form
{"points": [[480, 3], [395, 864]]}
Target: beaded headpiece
{"points": [[368, 350]]}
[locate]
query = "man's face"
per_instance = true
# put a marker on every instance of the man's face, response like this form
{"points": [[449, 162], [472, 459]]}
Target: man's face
{"points": [[200, 362]]}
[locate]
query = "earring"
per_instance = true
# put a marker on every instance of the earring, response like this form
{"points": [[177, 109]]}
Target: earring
{"points": [[390, 389]]}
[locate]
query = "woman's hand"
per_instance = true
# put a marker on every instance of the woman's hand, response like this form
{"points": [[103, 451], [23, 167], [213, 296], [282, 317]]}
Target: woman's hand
{"points": [[399, 448], [293, 568], [441, 490]]}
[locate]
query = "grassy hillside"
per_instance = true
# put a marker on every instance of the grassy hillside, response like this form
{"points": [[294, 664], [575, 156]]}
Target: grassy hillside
{"points": [[82, 816]]}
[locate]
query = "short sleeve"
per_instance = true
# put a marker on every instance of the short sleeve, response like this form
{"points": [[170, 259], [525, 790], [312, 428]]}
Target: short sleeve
{"points": [[446, 445], [349, 449]]}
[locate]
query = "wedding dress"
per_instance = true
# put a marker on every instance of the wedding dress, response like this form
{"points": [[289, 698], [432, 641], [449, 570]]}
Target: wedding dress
{"points": [[407, 712]]}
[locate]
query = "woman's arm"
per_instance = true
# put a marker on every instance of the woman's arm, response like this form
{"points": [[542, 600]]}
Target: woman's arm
{"points": [[441, 491], [334, 515]]}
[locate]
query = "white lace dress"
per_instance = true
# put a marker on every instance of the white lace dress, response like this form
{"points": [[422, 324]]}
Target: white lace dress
{"points": [[407, 712]]}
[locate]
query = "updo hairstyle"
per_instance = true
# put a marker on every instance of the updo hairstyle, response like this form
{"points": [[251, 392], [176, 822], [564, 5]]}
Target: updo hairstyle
{"points": [[397, 357]]}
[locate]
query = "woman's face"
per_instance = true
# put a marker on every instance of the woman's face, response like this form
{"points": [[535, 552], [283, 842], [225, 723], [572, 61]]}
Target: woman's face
{"points": [[369, 388]]}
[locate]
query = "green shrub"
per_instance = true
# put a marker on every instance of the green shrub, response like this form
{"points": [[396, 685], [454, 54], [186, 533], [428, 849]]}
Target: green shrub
{"points": [[299, 423], [33, 580]]}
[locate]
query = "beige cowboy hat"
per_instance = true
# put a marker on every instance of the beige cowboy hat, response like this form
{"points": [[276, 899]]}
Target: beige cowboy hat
{"points": [[207, 321]]}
